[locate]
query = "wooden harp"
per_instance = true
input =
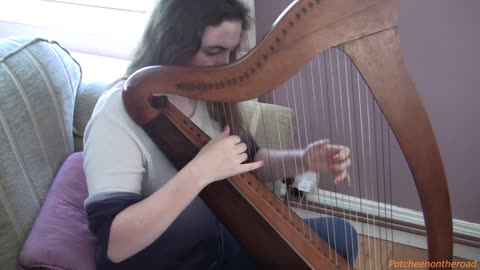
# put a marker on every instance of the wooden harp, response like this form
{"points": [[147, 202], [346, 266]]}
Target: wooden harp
{"points": [[366, 31]]}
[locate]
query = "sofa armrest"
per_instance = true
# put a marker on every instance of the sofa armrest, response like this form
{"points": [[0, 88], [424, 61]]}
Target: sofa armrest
{"points": [[99, 73], [85, 100]]}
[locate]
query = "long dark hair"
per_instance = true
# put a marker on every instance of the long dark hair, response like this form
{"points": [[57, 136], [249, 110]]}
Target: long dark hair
{"points": [[173, 35]]}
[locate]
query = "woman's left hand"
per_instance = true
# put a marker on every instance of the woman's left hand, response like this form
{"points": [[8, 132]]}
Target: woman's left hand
{"points": [[323, 157]]}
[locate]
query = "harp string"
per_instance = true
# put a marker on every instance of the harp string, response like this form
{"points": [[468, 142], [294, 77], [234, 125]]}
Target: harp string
{"points": [[343, 133], [383, 177], [292, 135], [308, 139], [324, 115], [313, 88], [287, 198], [391, 195], [333, 131], [306, 133], [372, 168], [329, 117], [339, 132], [318, 178], [377, 165], [282, 145], [282, 174], [314, 120], [358, 167], [352, 190], [380, 167]]}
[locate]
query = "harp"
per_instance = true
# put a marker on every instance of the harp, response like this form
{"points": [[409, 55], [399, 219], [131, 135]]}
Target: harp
{"points": [[366, 31]]}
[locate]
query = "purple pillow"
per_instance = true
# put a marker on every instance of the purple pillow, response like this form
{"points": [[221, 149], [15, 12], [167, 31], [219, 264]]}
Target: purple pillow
{"points": [[60, 237]]}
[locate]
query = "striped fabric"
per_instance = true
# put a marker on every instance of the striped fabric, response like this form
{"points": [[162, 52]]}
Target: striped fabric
{"points": [[38, 83]]}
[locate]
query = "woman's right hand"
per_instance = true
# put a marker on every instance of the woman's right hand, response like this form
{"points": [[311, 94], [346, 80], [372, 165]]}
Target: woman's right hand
{"points": [[221, 158]]}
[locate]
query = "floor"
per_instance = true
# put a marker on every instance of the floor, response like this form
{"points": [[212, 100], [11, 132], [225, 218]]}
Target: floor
{"points": [[378, 254]]}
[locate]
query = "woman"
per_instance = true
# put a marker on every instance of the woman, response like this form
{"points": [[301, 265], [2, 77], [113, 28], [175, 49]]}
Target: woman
{"points": [[144, 213]]}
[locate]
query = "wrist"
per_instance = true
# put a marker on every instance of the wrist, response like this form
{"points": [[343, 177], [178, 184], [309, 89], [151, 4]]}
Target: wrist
{"points": [[305, 161], [194, 172]]}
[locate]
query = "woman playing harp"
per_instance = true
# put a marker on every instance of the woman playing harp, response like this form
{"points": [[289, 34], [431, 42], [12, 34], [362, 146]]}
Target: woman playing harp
{"points": [[144, 213]]}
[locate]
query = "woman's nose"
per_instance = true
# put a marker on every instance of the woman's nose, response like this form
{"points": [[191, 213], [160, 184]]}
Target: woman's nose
{"points": [[223, 59]]}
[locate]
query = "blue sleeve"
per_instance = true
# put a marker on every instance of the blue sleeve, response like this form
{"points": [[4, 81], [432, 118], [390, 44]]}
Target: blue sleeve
{"points": [[100, 217]]}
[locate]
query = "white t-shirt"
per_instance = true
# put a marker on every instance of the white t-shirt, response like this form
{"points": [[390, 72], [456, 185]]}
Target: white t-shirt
{"points": [[118, 154]]}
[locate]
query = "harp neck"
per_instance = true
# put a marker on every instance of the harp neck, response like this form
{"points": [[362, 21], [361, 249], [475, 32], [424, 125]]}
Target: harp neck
{"points": [[304, 30]]}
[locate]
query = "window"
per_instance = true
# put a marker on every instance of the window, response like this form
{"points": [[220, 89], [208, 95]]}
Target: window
{"points": [[129, 5], [103, 27], [110, 28]]}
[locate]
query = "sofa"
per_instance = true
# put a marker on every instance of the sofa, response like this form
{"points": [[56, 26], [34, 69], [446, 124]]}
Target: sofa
{"points": [[45, 104]]}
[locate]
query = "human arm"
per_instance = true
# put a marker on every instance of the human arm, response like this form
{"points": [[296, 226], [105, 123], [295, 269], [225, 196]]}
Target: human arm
{"points": [[320, 156], [141, 223]]}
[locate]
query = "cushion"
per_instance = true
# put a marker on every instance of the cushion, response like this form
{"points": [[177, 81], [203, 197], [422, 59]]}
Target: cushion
{"points": [[271, 125], [60, 237], [38, 81]]}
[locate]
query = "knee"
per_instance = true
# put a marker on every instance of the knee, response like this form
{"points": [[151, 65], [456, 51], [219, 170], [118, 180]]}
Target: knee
{"points": [[347, 244], [340, 234]]}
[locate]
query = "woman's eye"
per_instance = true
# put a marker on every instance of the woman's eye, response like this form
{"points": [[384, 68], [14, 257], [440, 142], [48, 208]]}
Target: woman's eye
{"points": [[211, 53]]}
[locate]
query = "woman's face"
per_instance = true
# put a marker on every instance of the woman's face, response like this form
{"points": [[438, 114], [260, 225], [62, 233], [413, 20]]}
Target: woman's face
{"points": [[218, 42]]}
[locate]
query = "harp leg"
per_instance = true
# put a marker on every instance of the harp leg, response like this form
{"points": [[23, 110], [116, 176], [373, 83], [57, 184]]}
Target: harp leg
{"points": [[345, 235]]}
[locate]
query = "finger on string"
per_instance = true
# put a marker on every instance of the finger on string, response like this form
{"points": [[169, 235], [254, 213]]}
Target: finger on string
{"points": [[321, 142], [236, 139], [240, 148], [225, 132], [349, 181], [340, 166], [342, 152], [242, 157], [340, 178], [247, 167]]}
